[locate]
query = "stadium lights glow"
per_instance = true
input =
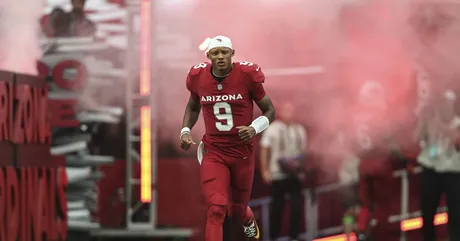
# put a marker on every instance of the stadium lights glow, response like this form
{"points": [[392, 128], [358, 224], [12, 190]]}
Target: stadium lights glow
{"points": [[406, 225], [145, 47], [146, 111], [146, 154], [340, 237], [417, 223]]}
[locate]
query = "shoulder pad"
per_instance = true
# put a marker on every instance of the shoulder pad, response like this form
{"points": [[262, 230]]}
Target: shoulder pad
{"points": [[196, 69], [248, 67], [253, 70]]}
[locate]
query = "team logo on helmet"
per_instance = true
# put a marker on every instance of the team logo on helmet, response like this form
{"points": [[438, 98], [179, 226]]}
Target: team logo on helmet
{"points": [[219, 40]]}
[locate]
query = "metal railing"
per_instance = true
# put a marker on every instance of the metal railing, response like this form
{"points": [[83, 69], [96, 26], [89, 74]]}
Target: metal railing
{"points": [[311, 209]]}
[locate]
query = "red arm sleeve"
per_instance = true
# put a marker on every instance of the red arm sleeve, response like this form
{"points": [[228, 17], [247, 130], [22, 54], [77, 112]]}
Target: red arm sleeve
{"points": [[257, 80]]}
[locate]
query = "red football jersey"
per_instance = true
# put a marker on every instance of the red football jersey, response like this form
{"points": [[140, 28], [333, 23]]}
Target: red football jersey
{"points": [[227, 104]]}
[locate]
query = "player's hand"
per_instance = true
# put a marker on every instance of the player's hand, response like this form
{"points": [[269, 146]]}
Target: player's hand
{"points": [[246, 132], [186, 142], [267, 176]]}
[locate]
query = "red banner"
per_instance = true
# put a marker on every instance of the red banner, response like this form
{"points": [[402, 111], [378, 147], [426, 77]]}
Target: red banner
{"points": [[32, 183]]}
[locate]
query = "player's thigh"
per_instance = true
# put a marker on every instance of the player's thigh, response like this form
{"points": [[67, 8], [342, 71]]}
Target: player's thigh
{"points": [[215, 180], [242, 174]]}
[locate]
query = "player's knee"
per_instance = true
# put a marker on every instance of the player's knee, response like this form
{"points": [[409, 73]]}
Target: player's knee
{"points": [[217, 209], [219, 199], [217, 213]]}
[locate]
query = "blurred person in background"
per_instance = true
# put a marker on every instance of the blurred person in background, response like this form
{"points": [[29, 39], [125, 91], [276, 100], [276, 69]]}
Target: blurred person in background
{"points": [[439, 132], [376, 109], [60, 24], [375, 169], [282, 163], [434, 24], [80, 25], [226, 91], [348, 178]]}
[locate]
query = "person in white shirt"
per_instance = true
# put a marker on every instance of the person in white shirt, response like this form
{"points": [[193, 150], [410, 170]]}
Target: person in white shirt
{"points": [[283, 147], [349, 179], [439, 132]]}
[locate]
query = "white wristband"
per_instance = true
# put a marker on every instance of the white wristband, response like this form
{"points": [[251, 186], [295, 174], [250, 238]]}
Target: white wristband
{"points": [[260, 124], [184, 131]]}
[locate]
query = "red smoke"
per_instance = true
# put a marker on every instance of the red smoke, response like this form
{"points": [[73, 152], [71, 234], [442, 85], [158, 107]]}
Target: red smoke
{"points": [[368, 50]]}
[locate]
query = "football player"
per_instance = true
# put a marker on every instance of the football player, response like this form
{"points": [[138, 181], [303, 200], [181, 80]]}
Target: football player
{"points": [[226, 91]]}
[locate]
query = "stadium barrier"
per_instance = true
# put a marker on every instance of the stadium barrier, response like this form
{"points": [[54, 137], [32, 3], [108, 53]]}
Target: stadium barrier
{"points": [[408, 221]]}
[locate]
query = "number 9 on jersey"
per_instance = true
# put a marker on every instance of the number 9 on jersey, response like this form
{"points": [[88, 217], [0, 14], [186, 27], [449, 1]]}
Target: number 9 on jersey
{"points": [[225, 122]]}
